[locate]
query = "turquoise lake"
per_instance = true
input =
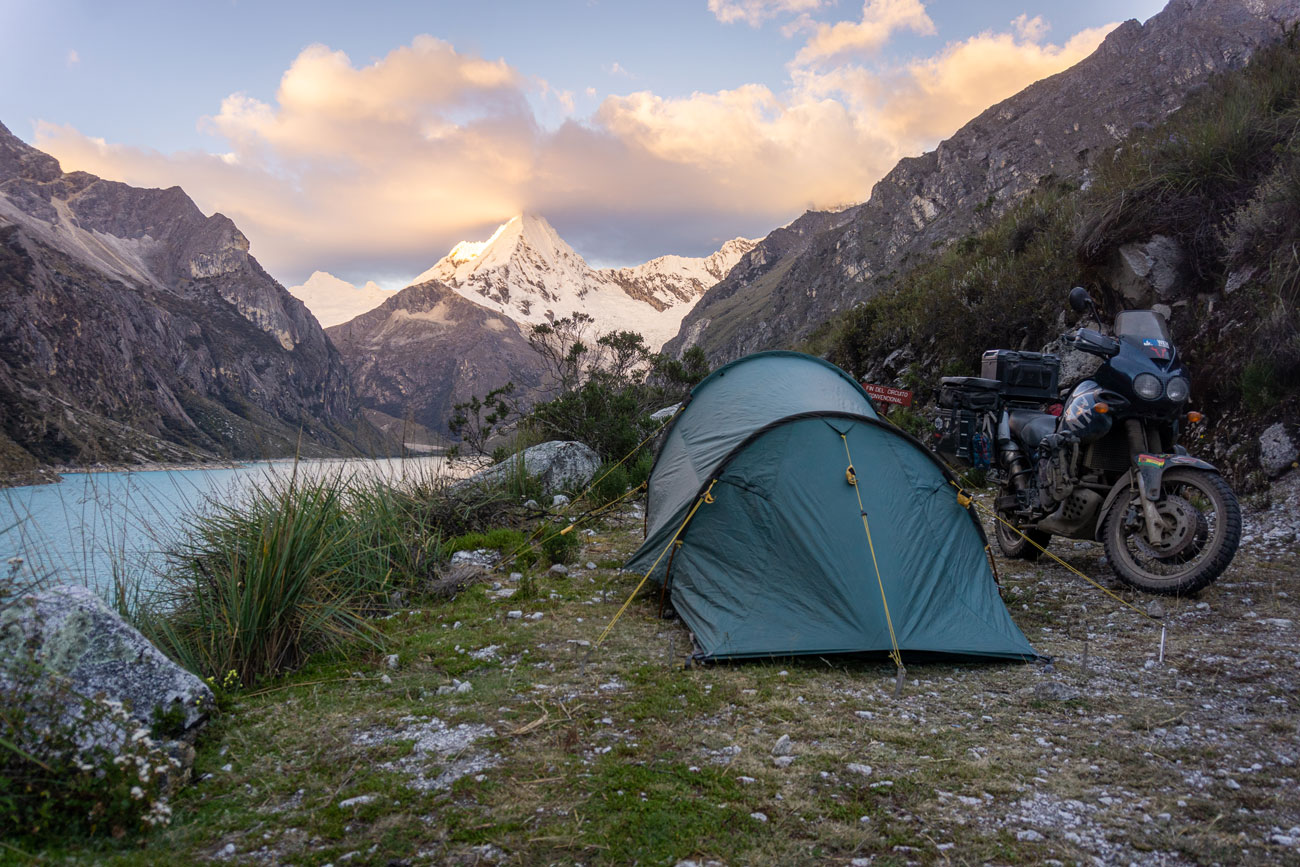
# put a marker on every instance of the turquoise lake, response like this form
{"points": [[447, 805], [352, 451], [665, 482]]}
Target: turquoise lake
{"points": [[95, 527]]}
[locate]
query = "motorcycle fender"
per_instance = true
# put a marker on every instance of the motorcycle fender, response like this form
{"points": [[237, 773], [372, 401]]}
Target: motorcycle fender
{"points": [[1151, 470], [1147, 477]]}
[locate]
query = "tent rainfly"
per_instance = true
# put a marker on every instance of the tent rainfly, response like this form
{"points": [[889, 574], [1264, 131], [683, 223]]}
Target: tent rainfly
{"points": [[754, 525]]}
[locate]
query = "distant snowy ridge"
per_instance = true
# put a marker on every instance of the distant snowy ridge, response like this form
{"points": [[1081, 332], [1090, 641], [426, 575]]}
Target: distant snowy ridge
{"points": [[528, 273], [333, 301]]}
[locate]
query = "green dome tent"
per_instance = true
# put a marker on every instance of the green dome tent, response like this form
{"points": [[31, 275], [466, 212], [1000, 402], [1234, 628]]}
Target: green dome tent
{"points": [[753, 524]]}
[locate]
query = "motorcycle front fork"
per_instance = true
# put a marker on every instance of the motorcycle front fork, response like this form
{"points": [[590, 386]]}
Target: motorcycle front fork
{"points": [[1138, 444]]}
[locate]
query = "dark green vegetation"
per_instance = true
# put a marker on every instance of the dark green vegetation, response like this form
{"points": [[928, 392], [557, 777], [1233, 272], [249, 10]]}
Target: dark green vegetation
{"points": [[605, 389], [1221, 177]]}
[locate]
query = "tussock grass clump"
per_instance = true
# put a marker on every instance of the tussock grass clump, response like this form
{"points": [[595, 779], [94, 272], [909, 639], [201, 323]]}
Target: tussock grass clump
{"points": [[258, 585]]}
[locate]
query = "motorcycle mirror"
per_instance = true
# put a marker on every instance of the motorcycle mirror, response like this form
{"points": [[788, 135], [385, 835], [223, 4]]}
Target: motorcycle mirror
{"points": [[1080, 302]]}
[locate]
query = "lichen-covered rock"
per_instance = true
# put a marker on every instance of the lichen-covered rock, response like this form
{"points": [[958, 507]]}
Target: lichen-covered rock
{"points": [[557, 465], [1277, 450], [1149, 271], [71, 632]]}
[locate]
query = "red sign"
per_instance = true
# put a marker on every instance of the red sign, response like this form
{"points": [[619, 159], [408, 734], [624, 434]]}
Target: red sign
{"points": [[888, 394]]}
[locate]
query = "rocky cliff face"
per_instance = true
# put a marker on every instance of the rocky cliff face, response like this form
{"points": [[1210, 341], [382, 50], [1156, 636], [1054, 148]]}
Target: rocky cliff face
{"points": [[427, 348], [1052, 130], [132, 327]]}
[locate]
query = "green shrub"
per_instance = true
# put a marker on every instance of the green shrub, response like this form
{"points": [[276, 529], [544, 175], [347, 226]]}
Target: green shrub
{"points": [[611, 482], [560, 547], [639, 471], [501, 539]]}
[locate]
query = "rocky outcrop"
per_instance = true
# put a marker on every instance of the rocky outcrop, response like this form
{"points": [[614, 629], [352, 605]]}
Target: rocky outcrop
{"points": [[726, 313], [73, 635], [1149, 272], [1277, 450], [427, 348], [1052, 130], [134, 328], [558, 466]]}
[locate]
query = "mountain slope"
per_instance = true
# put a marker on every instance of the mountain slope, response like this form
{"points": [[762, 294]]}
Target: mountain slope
{"points": [[132, 327], [427, 348], [333, 301], [1051, 130], [527, 272]]}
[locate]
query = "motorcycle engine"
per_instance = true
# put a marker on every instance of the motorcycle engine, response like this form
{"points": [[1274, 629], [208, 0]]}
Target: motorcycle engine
{"points": [[1058, 455]]}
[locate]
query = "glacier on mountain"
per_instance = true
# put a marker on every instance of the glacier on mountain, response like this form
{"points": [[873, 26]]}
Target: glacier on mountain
{"points": [[528, 273], [333, 300]]}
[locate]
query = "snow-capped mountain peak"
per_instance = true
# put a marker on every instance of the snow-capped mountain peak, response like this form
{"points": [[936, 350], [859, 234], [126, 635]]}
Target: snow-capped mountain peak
{"points": [[527, 272], [333, 300]]}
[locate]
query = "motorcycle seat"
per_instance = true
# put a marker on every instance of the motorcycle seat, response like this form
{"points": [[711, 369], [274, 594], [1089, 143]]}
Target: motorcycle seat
{"points": [[1030, 426]]}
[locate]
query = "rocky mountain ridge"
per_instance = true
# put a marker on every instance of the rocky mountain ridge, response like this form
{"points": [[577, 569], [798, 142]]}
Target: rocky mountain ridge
{"points": [[136, 328], [1050, 131], [528, 273], [427, 348]]}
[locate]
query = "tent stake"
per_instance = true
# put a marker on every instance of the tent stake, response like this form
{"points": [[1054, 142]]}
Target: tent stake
{"points": [[898, 681], [1085, 648]]}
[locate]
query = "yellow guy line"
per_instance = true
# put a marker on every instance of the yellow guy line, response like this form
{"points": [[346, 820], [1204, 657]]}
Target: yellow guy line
{"points": [[964, 498], [706, 498], [851, 474]]}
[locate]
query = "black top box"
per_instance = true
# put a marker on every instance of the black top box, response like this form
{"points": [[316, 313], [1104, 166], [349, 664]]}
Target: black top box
{"points": [[1030, 376], [969, 392]]}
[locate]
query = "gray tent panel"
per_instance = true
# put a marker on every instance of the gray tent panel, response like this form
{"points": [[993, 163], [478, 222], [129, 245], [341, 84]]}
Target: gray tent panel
{"points": [[736, 400]]}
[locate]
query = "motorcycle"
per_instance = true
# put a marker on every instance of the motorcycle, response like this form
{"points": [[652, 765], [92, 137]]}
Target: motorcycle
{"points": [[1108, 467]]}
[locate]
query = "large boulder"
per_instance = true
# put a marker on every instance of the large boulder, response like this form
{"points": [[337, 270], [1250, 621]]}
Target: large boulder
{"points": [[558, 465], [75, 636], [1150, 271], [1277, 451]]}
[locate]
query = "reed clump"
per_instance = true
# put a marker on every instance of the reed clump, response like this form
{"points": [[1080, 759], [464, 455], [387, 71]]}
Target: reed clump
{"points": [[301, 565]]}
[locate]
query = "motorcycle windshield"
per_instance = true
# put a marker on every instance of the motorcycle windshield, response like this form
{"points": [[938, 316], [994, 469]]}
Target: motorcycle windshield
{"points": [[1147, 330]]}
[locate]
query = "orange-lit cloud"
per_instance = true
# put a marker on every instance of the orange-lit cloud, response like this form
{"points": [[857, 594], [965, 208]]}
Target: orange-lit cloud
{"points": [[880, 18], [395, 161]]}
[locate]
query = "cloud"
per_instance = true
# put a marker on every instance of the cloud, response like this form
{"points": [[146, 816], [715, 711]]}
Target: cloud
{"points": [[1031, 29], [755, 12], [880, 18], [373, 171]]}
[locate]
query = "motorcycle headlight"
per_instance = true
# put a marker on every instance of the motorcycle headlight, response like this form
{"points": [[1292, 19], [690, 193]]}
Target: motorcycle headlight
{"points": [[1177, 389], [1147, 386]]}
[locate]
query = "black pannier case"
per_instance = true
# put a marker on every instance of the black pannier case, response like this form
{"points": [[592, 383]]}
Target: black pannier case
{"points": [[965, 400], [1030, 376]]}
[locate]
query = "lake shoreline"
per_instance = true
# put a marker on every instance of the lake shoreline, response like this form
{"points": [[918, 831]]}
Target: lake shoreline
{"points": [[50, 475]]}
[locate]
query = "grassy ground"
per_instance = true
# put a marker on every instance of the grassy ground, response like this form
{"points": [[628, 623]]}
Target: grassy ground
{"points": [[562, 753]]}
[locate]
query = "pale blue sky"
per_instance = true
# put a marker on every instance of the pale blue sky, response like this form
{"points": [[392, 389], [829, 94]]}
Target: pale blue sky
{"points": [[142, 76]]}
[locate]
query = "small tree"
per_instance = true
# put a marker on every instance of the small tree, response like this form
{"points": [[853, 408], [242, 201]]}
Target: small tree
{"points": [[565, 350], [476, 420]]}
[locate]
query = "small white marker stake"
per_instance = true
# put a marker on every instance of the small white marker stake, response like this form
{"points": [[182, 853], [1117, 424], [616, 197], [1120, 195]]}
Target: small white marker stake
{"points": [[1162, 645]]}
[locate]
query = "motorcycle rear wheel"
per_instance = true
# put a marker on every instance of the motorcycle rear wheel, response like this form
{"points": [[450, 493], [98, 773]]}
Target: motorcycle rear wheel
{"points": [[1202, 530], [1015, 546]]}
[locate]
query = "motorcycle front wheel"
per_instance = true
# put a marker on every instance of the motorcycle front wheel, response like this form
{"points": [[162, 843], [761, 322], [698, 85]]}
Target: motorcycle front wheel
{"points": [[1200, 530]]}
